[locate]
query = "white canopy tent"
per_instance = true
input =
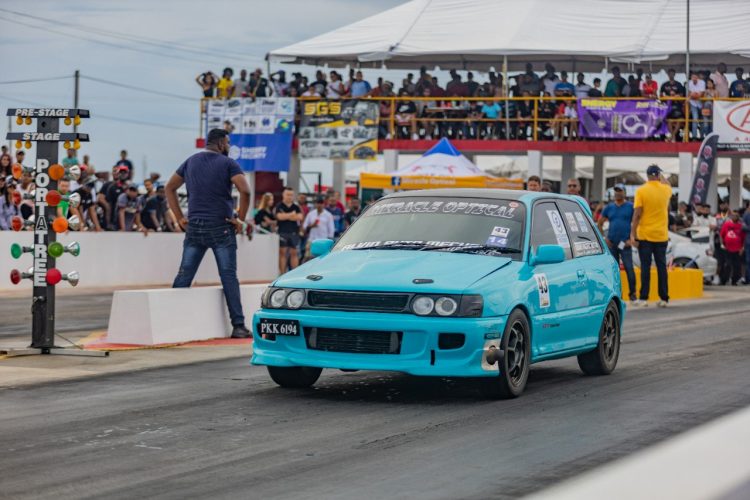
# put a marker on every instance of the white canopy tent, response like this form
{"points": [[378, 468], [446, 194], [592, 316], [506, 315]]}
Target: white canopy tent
{"points": [[584, 35]]}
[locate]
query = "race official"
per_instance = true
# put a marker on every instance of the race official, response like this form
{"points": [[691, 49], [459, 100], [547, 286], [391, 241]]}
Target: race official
{"points": [[619, 213], [649, 232], [212, 223]]}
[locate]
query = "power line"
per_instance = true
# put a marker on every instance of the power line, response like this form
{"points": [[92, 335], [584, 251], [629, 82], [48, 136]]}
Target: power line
{"points": [[101, 42], [35, 80], [127, 36], [139, 89]]}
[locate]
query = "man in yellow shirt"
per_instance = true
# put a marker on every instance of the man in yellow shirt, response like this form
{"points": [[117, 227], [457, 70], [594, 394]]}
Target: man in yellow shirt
{"points": [[649, 232], [225, 87]]}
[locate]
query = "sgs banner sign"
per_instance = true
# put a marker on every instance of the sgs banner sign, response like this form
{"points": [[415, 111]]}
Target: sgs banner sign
{"points": [[345, 130], [731, 121]]}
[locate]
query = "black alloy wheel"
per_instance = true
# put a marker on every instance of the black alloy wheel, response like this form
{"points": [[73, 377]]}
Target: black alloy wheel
{"points": [[603, 359]]}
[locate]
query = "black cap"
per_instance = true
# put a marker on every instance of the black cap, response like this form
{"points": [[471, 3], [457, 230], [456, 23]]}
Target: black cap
{"points": [[653, 170], [320, 199]]}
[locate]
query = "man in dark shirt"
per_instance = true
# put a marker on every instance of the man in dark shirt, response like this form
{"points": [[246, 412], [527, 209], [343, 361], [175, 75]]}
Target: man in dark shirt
{"points": [[672, 87], [740, 87], [87, 206], [353, 213], [152, 216], [113, 192], [124, 162], [289, 216], [212, 223]]}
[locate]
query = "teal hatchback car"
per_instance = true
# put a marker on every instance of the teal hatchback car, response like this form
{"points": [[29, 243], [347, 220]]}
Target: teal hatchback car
{"points": [[448, 283]]}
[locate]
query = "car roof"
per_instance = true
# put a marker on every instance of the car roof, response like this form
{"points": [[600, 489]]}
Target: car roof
{"points": [[492, 194]]}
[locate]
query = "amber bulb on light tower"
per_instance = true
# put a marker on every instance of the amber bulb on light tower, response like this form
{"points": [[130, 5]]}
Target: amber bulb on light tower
{"points": [[77, 120], [66, 144], [76, 144], [19, 120], [28, 144], [28, 120], [67, 120], [19, 144], [60, 225]]}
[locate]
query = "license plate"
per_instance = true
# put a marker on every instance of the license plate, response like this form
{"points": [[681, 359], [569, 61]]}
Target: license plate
{"points": [[279, 326]]}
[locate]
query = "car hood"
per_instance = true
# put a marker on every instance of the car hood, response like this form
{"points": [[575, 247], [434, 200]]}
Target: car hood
{"points": [[393, 270]]}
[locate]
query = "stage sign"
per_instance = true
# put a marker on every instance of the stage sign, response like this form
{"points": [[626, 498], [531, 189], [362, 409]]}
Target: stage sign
{"points": [[339, 130], [610, 119], [732, 122], [260, 130]]}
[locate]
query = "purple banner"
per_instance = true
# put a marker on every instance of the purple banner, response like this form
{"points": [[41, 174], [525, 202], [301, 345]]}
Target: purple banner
{"points": [[611, 119]]}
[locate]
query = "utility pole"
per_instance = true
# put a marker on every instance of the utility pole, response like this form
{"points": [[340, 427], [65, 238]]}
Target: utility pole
{"points": [[76, 79]]}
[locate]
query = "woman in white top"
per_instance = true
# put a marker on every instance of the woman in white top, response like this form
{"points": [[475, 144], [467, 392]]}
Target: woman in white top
{"points": [[336, 88], [696, 89]]}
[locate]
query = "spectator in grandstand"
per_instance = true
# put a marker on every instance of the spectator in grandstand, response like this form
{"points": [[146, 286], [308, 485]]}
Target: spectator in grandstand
{"points": [[207, 82], [491, 111], [359, 87], [720, 80], [239, 86], [280, 86], [258, 85], [582, 88], [125, 162], [409, 85], [313, 91], [596, 91], [86, 211], [336, 88], [8, 209], [632, 88], [406, 117], [675, 120], [6, 165], [708, 106], [740, 87], [563, 88], [549, 80], [533, 183], [26, 186], [289, 217], [471, 85], [264, 218], [112, 191], [696, 90], [355, 209], [455, 87], [649, 87], [615, 84], [224, 87], [154, 210], [565, 122], [71, 158], [129, 209], [526, 84], [63, 208], [20, 156]]}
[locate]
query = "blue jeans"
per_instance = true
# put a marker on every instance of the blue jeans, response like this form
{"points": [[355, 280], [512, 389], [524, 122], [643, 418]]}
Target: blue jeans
{"points": [[657, 250], [221, 239], [695, 119], [626, 255]]}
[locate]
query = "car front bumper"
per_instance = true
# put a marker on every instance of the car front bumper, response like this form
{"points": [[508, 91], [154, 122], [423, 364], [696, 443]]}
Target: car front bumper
{"points": [[419, 354]]}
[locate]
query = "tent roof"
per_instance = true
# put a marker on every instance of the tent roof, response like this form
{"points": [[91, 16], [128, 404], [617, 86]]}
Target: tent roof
{"points": [[574, 35], [441, 159]]}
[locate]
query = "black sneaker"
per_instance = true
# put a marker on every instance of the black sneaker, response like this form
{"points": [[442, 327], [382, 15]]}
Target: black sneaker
{"points": [[241, 332]]}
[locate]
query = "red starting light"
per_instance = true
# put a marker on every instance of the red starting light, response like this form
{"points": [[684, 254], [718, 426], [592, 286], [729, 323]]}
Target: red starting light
{"points": [[15, 276], [17, 170], [17, 198], [16, 223], [53, 276], [53, 198]]}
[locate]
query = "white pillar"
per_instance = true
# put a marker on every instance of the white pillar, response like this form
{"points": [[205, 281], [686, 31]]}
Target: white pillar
{"points": [[251, 180], [535, 160], [735, 183], [390, 157], [568, 170], [600, 179], [293, 176], [685, 177], [339, 177]]}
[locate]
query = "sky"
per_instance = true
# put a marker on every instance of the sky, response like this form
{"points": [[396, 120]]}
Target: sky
{"points": [[96, 38]]}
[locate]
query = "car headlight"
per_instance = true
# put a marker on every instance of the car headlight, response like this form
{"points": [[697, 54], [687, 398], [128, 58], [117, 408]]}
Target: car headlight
{"points": [[295, 299], [277, 299], [445, 306], [423, 305]]}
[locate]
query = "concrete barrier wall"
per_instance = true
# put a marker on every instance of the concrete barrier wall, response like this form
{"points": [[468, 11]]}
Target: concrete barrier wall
{"points": [[132, 259]]}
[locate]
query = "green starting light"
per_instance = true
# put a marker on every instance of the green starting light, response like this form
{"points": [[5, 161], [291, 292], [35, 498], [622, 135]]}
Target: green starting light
{"points": [[56, 249], [16, 251]]}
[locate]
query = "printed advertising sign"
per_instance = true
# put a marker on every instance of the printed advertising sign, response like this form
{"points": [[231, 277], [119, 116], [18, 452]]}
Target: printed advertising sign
{"points": [[732, 123], [260, 130], [705, 168], [610, 119], [339, 130]]}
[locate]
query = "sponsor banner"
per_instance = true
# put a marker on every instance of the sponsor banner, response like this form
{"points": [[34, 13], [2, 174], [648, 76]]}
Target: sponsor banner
{"points": [[345, 130], [610, 119], [704, 169], [731, 120], [260, 130]]}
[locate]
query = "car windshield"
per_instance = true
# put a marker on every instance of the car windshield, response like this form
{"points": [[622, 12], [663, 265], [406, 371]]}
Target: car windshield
{"points": [[423, 223]]}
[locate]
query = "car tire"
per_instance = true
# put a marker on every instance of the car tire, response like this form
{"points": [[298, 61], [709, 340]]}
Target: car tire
{"points": [[295, 377], [603, 359], [685, 263], [515, 361]]}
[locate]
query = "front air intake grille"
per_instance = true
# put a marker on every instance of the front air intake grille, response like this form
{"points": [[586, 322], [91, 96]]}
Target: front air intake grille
{"points": [[353, 341], [358, 301]]}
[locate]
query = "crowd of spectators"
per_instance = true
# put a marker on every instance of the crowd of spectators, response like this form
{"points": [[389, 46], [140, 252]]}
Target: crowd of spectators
{"points": [[436, 115], [110, 200], [298, 223]]}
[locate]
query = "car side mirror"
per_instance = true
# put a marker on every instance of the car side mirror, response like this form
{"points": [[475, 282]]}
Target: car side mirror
{"points": [[320, 247], [548, 254]]}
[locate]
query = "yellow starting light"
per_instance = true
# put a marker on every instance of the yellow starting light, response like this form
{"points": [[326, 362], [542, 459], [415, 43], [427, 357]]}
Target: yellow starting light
{"points": [[76, 144], [67, 120], [77, 120], [19, 144], [28, 144], [19, 120], [66, 144], [28, 120]]}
